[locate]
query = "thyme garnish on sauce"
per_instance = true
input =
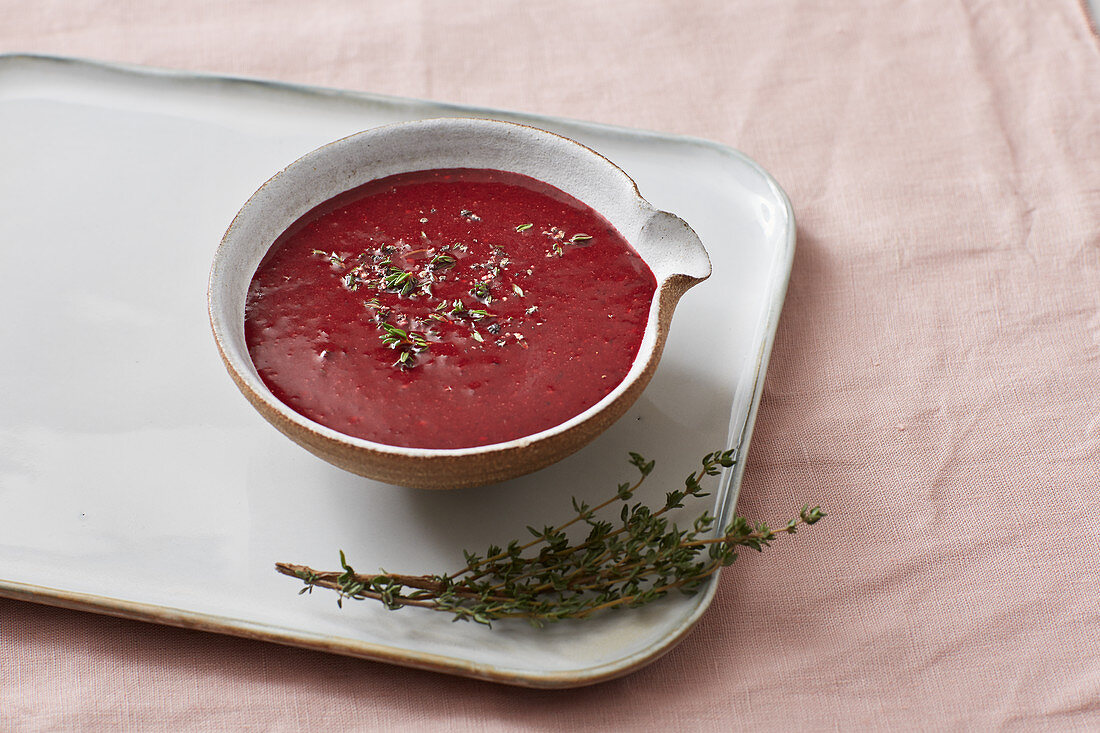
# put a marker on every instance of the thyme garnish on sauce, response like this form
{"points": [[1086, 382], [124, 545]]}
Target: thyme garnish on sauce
{"points": [[459, 310], [407, 343], [379, 271], [400, 281], [335, 259], [441, 262], [638, 560], [482, 292]]}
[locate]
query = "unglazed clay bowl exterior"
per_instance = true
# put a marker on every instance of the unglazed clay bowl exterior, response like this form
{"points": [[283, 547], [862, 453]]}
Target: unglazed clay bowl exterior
{"points": [[667, 244]]}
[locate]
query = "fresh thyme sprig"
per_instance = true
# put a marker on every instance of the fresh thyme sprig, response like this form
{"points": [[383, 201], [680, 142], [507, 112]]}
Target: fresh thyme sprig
{"points": [[632, 563], [400, 281], [407, 343]]}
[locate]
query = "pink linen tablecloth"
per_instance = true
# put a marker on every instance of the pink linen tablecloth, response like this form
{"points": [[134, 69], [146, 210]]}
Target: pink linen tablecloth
{"points": [[935, 382]]}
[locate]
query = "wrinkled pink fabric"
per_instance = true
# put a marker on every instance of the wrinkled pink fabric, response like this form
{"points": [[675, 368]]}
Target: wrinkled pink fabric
{"points": [[935, 382]]}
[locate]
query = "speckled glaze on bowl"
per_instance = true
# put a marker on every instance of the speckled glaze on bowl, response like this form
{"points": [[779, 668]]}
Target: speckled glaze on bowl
{"points": [[667, 244]]}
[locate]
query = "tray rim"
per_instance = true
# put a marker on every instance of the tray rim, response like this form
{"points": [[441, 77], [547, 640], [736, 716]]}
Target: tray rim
{"points": [[243, 628]]}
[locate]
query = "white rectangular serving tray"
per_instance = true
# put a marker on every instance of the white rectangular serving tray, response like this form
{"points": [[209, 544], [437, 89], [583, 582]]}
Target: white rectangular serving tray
{"points": [[136, 481]]}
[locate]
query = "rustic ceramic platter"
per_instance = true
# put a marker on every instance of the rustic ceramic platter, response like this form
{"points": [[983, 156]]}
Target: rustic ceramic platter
{"points": [[136, 481]]}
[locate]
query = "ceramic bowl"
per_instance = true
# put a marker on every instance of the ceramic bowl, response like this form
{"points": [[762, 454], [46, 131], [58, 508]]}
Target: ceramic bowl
{"points": [[667, 244]]}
